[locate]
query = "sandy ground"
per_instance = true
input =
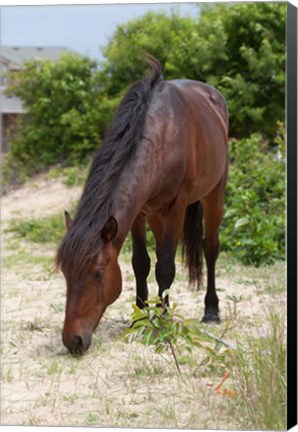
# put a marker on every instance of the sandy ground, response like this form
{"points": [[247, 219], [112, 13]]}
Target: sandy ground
{"points": [[115, 384], [38, 197]]}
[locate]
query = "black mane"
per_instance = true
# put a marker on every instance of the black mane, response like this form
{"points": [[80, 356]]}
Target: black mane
{"points": [[81, 243]]}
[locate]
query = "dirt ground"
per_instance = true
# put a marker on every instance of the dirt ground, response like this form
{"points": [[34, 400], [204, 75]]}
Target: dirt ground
{"points": [[115, 384]]}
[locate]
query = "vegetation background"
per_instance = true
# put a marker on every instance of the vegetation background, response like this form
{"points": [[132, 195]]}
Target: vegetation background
{"points": [[239, 49]]}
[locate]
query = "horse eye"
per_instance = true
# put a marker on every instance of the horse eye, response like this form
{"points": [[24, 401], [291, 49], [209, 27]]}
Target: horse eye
{"points": [[98, 274]]}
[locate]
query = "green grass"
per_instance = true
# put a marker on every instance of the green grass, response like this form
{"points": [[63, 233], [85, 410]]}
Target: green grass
{"points": [[25, 258], [6, 375], [55, 367], [168, 416], [48, 229], [71, 176], [259, 375], [92, 419], [57, 307], [146, 368]]}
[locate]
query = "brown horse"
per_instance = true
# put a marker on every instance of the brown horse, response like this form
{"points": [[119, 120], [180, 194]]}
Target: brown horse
{"points": [[164, 161]]}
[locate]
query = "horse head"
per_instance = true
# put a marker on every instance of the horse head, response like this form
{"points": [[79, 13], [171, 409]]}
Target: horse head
{"points": [[90, 292]]}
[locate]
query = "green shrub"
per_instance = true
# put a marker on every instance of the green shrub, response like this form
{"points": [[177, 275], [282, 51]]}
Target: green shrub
{"points": [[67, 114], [253, 228], [165, 328], [238, 48]]}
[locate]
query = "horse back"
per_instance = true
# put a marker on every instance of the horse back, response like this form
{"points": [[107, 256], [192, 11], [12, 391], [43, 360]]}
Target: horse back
{"points": [[188, 124], [207, 101]]}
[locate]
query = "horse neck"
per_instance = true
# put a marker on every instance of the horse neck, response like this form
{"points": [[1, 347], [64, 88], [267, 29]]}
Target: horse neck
{"points": [[133, 191]]}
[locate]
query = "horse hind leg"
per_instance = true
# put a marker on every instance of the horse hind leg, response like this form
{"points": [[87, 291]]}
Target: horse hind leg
{"points": [[213, 212], [211, 249]]}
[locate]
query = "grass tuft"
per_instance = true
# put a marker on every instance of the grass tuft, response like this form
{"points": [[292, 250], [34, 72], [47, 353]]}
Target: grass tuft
{"points": [[259, 375], [49, 229]]}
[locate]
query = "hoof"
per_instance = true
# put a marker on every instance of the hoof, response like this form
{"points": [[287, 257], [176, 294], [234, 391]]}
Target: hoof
{"points": [[211, 317]]}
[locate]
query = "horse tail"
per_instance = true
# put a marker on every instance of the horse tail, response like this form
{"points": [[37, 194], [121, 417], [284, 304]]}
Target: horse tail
{"points": [[156, 69], [192, 243]]}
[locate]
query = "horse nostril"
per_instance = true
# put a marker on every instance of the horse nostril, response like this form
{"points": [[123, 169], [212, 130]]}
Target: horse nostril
{"points": [[78, 346], [76, 343]]}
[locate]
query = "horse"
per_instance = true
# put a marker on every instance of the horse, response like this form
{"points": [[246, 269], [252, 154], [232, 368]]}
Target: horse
{"points": [[163, 161]]}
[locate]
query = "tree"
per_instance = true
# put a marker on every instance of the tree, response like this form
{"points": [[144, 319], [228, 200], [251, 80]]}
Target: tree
{"points": [[63, 120], [252, 77], [155, 33], [240, 49]]}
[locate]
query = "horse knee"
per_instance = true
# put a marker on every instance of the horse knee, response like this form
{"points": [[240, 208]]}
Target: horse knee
{"points": [[141, 264], [165, 272]]}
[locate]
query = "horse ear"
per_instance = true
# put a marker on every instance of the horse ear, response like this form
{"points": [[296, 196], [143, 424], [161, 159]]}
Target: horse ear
{"points": [[109, 230], [68, 221]]}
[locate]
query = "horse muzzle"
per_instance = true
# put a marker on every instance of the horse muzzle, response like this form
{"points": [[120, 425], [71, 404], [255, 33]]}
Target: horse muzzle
{"points": [[77, 344]]}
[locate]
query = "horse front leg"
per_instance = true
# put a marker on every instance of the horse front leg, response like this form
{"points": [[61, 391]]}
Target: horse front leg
{"points": [[165, 267], [140, 260]]}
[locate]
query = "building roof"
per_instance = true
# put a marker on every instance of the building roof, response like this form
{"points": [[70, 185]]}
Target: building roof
{"points": [[14, 57], [18, 54], [11, 104]]}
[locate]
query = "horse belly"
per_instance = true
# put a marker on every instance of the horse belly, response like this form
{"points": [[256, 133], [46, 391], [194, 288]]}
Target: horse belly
{"points": [[205, 172]]}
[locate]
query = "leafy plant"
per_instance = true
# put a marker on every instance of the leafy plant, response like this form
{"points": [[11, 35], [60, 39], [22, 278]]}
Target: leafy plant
{"points": [[253, 228], [64, 120], [238, 48], [164, 328], [75, 176]]}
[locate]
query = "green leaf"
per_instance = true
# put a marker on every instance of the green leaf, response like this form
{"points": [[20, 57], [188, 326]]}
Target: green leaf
{"points": [[230, 213], [147, 338], [241, 222]]}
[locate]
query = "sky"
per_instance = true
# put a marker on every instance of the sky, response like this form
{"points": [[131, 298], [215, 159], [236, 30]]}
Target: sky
{"points": [[83, 28]]}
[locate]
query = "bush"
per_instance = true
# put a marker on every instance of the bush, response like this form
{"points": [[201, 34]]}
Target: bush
{"points": [[66, 114], [253, 228], [239, 49]]}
